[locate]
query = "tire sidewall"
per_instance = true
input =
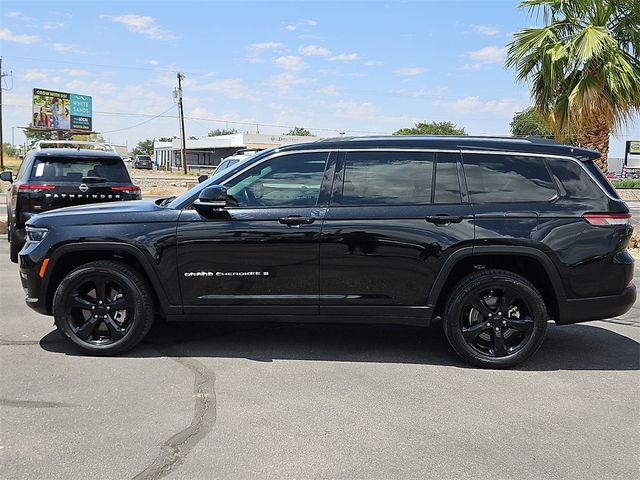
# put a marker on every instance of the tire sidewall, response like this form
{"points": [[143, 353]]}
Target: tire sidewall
{"points": [[455, 311], [75, 279]]}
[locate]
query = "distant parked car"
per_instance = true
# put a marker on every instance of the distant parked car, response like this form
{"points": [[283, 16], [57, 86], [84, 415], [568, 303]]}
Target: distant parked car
{"points": [[612, 175], [143, 162]]}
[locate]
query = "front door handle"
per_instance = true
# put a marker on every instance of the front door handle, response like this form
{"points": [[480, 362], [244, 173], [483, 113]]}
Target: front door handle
{"points": [[296, 220], [443, 219]]}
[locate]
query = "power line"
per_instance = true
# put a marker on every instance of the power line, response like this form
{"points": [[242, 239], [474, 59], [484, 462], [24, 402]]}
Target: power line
{"points": [[141, 123]]}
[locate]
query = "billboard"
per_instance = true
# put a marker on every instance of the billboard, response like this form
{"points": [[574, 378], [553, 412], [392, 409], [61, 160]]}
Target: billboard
{"points": [[61, 110], [632, 155]]}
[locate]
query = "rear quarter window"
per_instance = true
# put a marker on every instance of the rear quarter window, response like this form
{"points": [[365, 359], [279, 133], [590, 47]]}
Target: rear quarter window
{"points": [[507, 179], [574, 180], [79, 169]]}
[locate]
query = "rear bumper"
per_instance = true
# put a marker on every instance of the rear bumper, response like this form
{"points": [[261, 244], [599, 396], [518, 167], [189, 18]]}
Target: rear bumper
{"points": [[597, 308]]}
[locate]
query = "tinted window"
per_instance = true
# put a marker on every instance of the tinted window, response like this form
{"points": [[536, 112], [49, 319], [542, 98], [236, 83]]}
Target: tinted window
{"points": [[290, 180], [573, 179], [79, 169], [447, 184], [387, 178], [506, 178]]}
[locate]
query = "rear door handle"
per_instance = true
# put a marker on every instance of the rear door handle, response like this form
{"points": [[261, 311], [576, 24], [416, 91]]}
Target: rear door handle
{"points": [[296, 220], [443, 219]]}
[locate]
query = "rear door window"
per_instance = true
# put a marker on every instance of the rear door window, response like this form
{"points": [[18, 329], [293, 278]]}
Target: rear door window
{"points": [[507, 178], [80, 169], [387, 178]]}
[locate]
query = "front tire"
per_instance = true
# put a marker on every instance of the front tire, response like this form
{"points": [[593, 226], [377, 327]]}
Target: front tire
{"points": [[495, 319], [104, 307]]}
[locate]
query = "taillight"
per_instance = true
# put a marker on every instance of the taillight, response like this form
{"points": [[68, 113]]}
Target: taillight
{"points": [[607, 219], [28, 187], [133, 189]]}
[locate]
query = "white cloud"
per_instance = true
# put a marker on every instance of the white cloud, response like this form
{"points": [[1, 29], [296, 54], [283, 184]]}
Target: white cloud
{"points": [[142, 24], [372, 63], [344, 57], [355, 110], [78, 73], [284, 81], [67, 47], [14, 14], [311, 23], [6, 34], [474, 104], [290, 28], [489, 55], [153, 61], [256, 49], [229, 87], [330, 90], [314, 51], [488, 30], [290, 62], [471, 66], [411, 71], [34, 75], [52, 25]]}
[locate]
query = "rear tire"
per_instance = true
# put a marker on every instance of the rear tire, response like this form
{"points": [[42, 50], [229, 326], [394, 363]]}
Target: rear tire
{"points": [[14, 246], [104, 307], [495, 319]]}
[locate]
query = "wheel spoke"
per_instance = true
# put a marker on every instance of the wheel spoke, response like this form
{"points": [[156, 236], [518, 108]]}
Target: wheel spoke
{"points": [[81, 303], [481, 307], [101, 289], [85, 331], [472, 332], [499, 346], [508, 297], [524, 325], [115, 331], [121, 303]]}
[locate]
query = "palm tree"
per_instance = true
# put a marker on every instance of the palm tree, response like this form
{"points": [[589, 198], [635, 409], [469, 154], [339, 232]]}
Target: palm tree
{"points": [[583, 66]]}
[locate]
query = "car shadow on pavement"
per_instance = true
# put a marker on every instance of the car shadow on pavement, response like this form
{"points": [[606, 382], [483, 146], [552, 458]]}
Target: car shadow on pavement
{"points": [[572, 347]]}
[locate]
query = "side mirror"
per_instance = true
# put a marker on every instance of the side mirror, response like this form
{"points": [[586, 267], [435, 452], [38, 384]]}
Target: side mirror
{"points": [[211, 199], [202, 178], [6, 176]]}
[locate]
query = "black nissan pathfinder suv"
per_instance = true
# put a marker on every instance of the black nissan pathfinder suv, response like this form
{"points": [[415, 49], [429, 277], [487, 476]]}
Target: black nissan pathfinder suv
{"points": [[493, 236], [58, 177]]}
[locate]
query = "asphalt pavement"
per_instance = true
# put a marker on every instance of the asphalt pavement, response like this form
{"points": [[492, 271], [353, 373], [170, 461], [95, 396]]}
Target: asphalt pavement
{"points": [[292, 401]]}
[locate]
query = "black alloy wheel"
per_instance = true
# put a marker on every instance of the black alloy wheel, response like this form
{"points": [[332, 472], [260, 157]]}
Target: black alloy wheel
{"points": [[99, 310], [104, 307], [495, 318]]}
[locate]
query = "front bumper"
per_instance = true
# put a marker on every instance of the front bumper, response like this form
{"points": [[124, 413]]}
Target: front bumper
{"points": [[34, 286], [597, 308]]}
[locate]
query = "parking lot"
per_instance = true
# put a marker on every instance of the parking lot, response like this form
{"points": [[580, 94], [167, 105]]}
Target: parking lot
{"points": [[268, 401]]}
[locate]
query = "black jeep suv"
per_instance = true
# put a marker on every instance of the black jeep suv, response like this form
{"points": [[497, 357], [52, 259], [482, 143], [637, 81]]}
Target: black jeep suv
{"points": [[58, 177], [493, 236]]}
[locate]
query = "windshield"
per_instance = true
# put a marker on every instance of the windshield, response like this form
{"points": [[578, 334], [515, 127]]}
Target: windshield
{"points": [[80, 169], [218, 177]]}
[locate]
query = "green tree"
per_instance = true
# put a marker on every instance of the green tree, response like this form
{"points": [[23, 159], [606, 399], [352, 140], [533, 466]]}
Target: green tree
{"points": [[583, 66], [166, 139], [144, 147], [9, 150], [224, 131], [528, 123], [299, 132], [34, 135], [432, 128]]}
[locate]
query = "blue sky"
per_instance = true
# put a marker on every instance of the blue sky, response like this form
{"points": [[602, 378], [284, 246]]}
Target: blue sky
{"points": [[355, 67]]}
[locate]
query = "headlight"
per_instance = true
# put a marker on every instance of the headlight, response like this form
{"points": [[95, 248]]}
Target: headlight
{"points": [[36, 234]]}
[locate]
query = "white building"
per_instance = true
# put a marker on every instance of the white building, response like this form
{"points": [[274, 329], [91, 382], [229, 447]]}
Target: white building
{"points": [[209, 151]]}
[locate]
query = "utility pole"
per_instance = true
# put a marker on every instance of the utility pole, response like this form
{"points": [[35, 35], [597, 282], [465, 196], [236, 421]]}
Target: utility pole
{"points": [[1, 139], [182, 134]]}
